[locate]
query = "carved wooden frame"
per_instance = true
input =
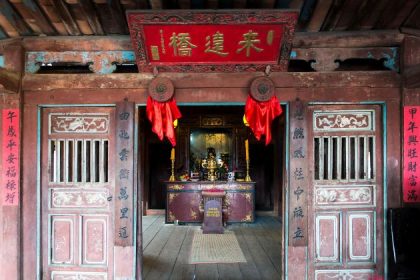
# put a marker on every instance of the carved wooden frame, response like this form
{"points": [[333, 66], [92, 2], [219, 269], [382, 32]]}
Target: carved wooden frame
{"points": [[137, 19]]}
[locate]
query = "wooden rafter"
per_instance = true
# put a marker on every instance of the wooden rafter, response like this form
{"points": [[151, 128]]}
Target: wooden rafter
{"points": [[403, 14], [319, 15], [34, 16], [91, 15], [348, 13], [14, 18], [66, 17]]}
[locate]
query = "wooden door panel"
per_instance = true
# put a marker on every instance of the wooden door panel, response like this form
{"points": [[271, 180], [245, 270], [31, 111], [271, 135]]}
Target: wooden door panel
{"points": [[345, 225], [62, 239], [327, 240], [95, 239], [76, 193], [341, 274], [360, 232]]}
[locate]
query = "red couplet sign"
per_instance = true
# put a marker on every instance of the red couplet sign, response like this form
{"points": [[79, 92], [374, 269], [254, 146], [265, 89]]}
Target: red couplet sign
{"points": [[194, 40], [10, 157], [411, 157]]}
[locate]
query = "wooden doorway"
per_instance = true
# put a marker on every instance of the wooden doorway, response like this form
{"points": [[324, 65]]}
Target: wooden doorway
{"points": [[77, 180], [346, 224]]}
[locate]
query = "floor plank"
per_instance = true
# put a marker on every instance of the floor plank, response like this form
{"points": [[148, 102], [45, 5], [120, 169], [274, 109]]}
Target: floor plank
{"points": [[182, 269], [167, 250]]}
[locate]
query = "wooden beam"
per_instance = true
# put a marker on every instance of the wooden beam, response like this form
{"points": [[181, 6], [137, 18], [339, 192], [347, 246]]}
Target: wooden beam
{"points": [[184, 4], [111, 16], [349, 12], [411, 77], [66, 17], [413, 21], [375, 9], [318, 16], [156, 4], [358, 39], [37, 14], [10, 80], [78, 43], [348, 39], [14, 18], [410, 31], [91, 15], [371, 79], [405, 11], [389, 13], [333, 16]]}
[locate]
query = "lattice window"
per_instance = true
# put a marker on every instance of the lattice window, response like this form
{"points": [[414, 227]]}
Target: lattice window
{"points": [[344, 158], [73, 161]]}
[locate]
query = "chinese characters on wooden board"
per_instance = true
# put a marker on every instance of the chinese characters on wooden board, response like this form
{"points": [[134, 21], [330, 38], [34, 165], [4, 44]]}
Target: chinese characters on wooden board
{"points": [[10, 157], [124, 174], [215, 43], [299, 173], [411, 157]]}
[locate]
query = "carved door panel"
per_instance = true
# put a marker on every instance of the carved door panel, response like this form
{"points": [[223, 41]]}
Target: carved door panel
{"points": [[346, 211], [76, 182]]}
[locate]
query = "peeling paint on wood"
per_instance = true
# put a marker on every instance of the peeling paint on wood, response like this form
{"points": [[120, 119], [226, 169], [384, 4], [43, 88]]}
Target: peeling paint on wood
{"points": [[100, 62]]}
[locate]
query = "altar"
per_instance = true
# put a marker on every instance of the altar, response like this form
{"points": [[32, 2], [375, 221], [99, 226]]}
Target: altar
{"points": [[184, 199]]}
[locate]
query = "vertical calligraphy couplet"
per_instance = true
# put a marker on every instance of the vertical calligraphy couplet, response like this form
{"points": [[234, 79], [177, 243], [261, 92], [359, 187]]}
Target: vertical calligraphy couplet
{"points": [[298, 176], [10, 157], [124, 179], [411, 157]]}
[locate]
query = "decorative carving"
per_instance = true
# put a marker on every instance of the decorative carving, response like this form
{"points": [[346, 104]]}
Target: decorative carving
{"points": [[247, 218], [78, 123], [329, 196], [176, 187], [343, 119], [193, 214], [161, 89], [248, 197], [262, 89], [172, 196], [171, 217], [78, 198], [212, 121], [69, 275], [352, 274]]}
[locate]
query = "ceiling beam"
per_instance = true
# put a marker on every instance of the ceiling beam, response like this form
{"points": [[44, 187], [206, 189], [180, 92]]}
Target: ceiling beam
{"points": [[35, 14], [318, 16], [14, 18], [92, 17], [66, 17]]}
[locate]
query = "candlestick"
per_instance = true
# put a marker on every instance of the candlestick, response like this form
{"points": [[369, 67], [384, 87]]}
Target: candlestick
{"points": [[172, 178], [173, 154], [247, 177], [246, 150]]}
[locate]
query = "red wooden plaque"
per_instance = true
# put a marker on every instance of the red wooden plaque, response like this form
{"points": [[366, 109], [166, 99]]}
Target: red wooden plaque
{"points": [[212, 41], [411, 174], [10, 157]]}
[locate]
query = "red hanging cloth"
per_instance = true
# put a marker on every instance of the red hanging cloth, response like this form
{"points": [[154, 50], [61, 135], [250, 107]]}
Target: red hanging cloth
{"points": [[259, 116], [162, 116]]}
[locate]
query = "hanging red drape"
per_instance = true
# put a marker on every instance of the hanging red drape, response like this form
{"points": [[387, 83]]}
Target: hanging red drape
{"points": [[162, 116], [260, 115]]}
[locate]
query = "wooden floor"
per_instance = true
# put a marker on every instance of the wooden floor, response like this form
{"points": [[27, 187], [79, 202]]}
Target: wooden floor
{"points": [[166, 251]]}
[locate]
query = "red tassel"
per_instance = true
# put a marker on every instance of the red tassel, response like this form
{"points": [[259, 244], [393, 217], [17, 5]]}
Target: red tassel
{"points": [[162, 116], [260, 115]]}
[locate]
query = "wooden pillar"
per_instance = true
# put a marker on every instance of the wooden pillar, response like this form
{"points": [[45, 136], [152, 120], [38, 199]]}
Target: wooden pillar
{"points": [[10, 80]]}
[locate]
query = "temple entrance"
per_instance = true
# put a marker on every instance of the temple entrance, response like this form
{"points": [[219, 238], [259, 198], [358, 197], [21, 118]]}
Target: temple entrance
{"points": [[168, 235], [221, 124]]}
